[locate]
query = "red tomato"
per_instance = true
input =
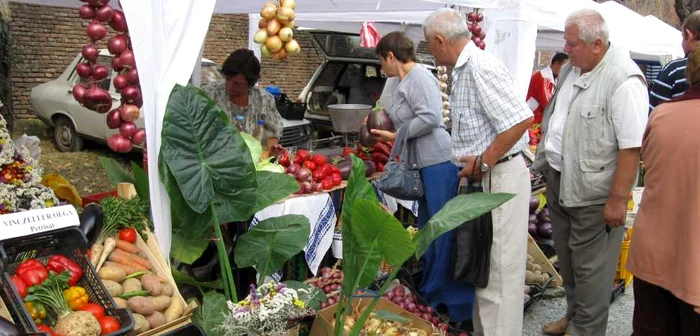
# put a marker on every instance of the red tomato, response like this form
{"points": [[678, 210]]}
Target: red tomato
{"points": [[95, 309], [334, 169], [108, 324], [303, 154], [327, 184], [283, 159], [347, 151], [380, 167], [318, 175], [310, 164], [128, 234], [46, 329], [337, 179], [297, 160], [319, 160]]}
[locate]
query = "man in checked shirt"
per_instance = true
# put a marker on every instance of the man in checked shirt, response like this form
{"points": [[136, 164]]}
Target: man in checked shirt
{"points": [[489, 124]]}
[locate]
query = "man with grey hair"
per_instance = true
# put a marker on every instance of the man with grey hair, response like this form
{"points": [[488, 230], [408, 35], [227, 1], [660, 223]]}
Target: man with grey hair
{"points": [[489, 124], [592, 133]]}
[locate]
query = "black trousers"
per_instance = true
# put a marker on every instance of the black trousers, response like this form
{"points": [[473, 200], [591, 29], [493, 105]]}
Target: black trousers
{"points": [[657, 312]]}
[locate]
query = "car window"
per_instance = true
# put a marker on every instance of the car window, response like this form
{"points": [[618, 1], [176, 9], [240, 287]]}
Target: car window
{"points": [[105, 83]]}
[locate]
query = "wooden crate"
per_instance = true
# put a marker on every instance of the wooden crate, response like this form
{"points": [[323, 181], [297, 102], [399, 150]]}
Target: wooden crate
{"points": [[161, 267], [534, 250], [4, 312]]}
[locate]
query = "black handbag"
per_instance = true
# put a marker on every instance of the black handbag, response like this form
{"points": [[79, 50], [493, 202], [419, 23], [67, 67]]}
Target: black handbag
{"points": [[472, 246]]}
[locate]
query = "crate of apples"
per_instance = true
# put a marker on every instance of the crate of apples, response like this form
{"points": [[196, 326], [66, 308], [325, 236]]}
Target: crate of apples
{"points": [[313, 172]]}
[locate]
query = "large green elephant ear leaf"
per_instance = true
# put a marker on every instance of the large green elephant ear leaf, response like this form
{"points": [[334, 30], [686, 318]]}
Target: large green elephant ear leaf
{"points": [[272, 242], [207, 157], [457, 211]]}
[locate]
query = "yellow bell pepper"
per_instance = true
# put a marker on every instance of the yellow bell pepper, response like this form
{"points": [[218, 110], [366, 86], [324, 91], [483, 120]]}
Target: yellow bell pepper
{"points": [[76, 297], [36, 311]]}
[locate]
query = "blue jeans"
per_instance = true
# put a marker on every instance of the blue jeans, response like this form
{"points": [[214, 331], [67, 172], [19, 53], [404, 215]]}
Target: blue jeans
{"points": [[440, 183]]}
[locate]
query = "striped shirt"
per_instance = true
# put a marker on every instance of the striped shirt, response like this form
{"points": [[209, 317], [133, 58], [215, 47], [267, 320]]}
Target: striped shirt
{"points": [[484, 104], [669, 84]]}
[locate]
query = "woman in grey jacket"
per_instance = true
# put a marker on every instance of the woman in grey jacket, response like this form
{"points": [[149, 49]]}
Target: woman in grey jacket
{"points": [[416, 103]]}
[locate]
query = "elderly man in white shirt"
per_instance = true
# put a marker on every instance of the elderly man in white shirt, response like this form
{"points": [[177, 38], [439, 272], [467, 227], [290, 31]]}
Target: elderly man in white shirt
{"points": [[592, 131], [489, 124]]}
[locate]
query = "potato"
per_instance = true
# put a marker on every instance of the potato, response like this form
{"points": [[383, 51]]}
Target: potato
{"points": [[167, 290], [161, 302], [174, 311], [140, 323], [526, 289], [156, 320], [529, 266], [530, 258], [141, 305], [111, 273], [151, 283], [527, 298], [132, 285], [537, 267], [113, 288], [530, 277], [121, 303]]}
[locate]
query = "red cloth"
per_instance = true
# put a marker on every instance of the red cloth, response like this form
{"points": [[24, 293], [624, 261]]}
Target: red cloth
{"points": [[540, 90]]}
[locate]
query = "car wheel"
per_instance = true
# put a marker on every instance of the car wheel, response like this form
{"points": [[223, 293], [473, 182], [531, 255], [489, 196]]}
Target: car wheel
{"points": [[65, 136]]}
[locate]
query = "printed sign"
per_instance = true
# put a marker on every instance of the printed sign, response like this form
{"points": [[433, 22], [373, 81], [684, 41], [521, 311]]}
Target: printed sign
{"points": [[25, 223]]}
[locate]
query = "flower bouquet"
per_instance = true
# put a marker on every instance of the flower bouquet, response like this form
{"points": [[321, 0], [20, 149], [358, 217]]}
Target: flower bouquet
{"points": [[272, 309], [20, 178]]}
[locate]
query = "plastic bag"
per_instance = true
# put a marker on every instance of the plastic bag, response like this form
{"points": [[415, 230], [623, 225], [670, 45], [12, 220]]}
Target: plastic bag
{"points": [[31, 143]]}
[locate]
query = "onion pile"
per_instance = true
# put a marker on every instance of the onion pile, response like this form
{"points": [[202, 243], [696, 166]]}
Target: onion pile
{"points": [[126, 82], [330, 282], [478, 33], [443, 78], [276, 30]]}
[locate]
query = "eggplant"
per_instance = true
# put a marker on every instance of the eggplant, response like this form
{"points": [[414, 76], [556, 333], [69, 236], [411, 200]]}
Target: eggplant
{"points": [[7, 328], [544, 229], [366, 139], [370, 168], [91, 222], [532, 219], [380, 120], [543, 216], [534, 203], [532, 229], [345, 169]]}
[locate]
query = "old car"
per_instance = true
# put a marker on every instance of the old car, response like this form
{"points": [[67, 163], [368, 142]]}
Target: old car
{"points": [[53, 103]]}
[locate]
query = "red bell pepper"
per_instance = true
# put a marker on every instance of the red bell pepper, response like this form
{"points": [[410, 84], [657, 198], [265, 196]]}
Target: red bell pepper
{"points": [[59, 263], [20, 285], [32, 272]]}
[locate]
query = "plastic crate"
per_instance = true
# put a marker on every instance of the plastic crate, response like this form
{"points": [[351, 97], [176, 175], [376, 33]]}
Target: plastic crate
{"points": [[69, 242], [186, 330], [288, 109], [622, 273], [97, 198]]}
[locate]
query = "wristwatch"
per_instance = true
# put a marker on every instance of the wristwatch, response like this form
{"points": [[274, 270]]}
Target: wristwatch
{"points": [[484, 167]]}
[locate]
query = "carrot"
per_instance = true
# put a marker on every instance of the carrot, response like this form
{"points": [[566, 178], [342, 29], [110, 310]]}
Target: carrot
{"points": [[128, 247], [127, 269], [143, 262], [125, 260]]}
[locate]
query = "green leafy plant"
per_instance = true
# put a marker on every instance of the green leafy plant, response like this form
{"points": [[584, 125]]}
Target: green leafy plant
{"points": [[117, 174], [209, 174], [367, 228]]}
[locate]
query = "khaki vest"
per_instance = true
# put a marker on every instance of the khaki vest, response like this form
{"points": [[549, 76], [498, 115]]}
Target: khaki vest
{"points": [[589, 143]]}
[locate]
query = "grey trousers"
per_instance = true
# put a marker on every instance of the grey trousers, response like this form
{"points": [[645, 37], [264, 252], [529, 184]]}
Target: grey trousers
{"points": [[588, 256]]}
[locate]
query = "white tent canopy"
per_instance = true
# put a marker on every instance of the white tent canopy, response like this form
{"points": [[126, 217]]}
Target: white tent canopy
{"points": [[167, 36]]}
